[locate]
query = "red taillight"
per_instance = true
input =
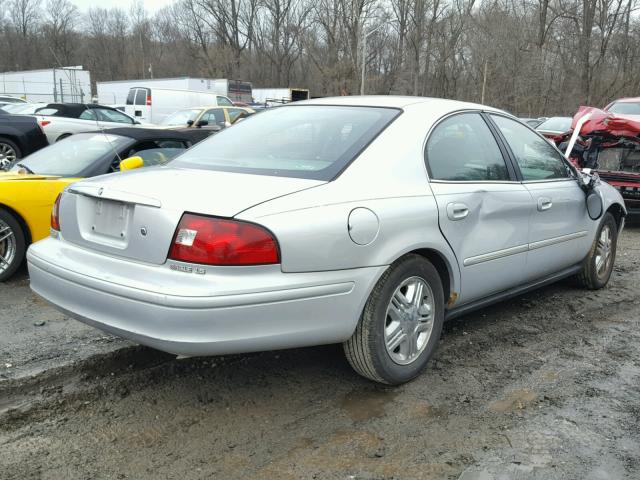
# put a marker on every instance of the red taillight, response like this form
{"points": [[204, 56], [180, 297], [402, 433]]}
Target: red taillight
{"points": [[218, 241], [44, 123], [149, 100], [55, 214]]}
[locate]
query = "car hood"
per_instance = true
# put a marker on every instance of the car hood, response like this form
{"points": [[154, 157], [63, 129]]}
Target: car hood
{"points": [[601, 121], [189, 190]]}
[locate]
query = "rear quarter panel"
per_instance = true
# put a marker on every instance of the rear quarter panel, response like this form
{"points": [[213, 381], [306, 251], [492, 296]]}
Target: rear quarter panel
{"points": [[389, 178]]}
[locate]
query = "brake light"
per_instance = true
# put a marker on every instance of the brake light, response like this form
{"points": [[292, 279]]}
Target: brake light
{"points": [[55, 214], [148, 100], [218, 241], [44, 123]]}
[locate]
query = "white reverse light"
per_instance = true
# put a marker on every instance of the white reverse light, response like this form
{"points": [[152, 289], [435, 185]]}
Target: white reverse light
{"points": [[186, 237]]}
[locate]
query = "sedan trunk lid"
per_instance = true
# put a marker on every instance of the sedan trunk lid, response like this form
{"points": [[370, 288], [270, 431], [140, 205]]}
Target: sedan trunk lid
{"points": [[135, 214]]}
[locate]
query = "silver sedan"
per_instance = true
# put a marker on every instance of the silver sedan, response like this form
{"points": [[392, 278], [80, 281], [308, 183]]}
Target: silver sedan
{"points": [[361, 220]]}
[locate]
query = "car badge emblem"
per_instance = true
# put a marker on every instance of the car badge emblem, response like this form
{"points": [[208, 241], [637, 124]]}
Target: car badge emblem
{"points": [[143, 231]]}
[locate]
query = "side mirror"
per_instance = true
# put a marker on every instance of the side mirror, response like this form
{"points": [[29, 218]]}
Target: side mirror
{"points": [[131, 163], [594, 205], [202, 123], [189, 123]]}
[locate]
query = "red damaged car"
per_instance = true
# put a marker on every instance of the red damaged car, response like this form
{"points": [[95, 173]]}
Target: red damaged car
{"points": [[609, 142]]}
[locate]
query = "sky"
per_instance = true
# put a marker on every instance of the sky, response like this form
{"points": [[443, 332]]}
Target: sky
{"points": [[152, 6]]}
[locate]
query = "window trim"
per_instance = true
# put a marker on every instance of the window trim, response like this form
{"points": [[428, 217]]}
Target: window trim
{"points": [[512, 156], [511, 172]]}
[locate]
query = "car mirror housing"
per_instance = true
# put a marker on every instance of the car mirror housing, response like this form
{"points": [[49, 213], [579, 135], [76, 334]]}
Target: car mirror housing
{"points": [[202, 123], [131, 163]]}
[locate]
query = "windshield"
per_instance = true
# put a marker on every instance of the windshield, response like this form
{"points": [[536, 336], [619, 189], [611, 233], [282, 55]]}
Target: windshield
{"points": [[556, 124], [181, 117], [303, 141], [71, 156], [625, 108]]}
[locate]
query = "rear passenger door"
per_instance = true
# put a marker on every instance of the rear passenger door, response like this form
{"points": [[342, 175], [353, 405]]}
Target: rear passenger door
{"points": [[483, 209], [560, 225]]}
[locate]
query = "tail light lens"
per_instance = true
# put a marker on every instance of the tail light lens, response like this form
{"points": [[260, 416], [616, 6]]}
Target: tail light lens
{"points": [[55, 214], [43, 123], [218, 241], [148, 100]]}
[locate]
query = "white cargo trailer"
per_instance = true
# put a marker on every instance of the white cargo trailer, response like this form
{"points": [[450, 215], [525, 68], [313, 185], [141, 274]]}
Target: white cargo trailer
{"points": [[68, 84], [115, 93], [274, 96]]}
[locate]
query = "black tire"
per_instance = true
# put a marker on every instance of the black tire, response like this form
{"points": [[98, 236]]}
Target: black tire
{"points": [[5, 144], [590, 277], [366, 350], [20, 245]]}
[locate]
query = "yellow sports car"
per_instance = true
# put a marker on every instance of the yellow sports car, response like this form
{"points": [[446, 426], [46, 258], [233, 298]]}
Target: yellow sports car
{"points": [[29, 190]]}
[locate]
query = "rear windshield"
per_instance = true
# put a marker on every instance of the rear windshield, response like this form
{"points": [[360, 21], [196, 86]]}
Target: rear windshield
{"points": [[625, 108], [556, 124], [305, 141]]}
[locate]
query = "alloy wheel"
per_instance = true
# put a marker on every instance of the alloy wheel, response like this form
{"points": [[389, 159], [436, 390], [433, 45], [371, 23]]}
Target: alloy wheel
{"points": [[7, 246], [604, 250], [7, 155], [409, 320]]}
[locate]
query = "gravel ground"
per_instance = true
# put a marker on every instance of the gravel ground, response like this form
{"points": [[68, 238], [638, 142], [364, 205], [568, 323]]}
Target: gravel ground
{"points": [[546, 386]]}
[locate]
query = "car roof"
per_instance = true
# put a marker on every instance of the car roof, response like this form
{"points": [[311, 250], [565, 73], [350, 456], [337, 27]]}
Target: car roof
{"points": [[76, 109], [142, 134], [394, 101], [627, 100]]}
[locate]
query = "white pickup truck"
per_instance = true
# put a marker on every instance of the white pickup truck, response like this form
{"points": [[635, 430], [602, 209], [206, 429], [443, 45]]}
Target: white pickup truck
{"points": [[59, 120]]}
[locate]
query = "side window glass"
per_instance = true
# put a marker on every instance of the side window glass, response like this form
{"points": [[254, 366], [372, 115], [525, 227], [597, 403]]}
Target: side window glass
{"points": [[141, 96], [462, 148], [87, 115], [158, 156], [224, 101], [214, 116], [113, 116], [131, 96], [235, 113], [535, 156]]}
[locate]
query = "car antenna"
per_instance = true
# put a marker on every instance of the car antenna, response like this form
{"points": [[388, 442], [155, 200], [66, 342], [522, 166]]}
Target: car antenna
{"points": [[86, 105]]}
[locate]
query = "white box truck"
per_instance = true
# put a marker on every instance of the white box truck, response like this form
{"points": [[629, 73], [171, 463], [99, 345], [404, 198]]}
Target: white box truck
{"points": [[152, 105], [275, 96], [115, 92]]}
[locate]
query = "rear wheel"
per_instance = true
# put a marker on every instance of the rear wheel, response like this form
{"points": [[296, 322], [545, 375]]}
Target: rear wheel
{"points": [[12, 245], [599, 263], [401, 323], [9, 153]]}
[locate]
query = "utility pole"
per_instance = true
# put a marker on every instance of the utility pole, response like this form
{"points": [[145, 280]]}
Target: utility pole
{"points": [[364, 54], [484, 82]]}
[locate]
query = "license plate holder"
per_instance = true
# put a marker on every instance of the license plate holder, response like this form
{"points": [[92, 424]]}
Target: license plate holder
{"points": [[111, 219]]}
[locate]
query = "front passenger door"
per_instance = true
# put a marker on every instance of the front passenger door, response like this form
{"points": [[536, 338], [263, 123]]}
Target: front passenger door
{"points": [[560, 225], [483, 210]]}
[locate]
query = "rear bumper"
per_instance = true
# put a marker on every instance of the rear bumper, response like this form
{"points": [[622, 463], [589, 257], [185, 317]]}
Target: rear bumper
{"points": [[214, 314]]}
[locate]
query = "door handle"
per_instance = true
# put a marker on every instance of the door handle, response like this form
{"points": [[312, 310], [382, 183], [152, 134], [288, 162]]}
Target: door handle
{"points": [[457, 211], [544, 203]]}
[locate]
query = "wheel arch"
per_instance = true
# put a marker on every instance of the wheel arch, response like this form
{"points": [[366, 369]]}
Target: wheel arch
{"points": [[618, 213], [442, 266], [21, 221]]}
